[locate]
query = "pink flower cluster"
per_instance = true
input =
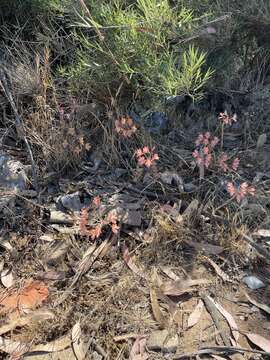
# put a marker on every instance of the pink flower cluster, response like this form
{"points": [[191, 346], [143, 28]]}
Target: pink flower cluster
{"points": [[204, 155], [125, 127], [241, 191], [227, 119], [223, 163], [146, 157]]}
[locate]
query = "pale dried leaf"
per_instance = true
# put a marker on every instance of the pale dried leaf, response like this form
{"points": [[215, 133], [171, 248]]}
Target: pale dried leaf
{"points": [[130, 263], [80, 347], [262, 233], [56, 251], [138, 350], [259, 341], [259, 305], [54, 346], [194, 317], [31, 318], [66, 354], [228, 317], [90, 257], [155, 307], [177, 288], [12, 347], [192, 208], [261, 141], [7, 278], [218, 270], [170, 273]]}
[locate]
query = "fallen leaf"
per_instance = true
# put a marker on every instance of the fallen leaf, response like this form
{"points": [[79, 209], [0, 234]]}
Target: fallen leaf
{"points": [[156, 308], [261, 141], [7, 278], [130, 263], [51, 275], [228, 317], [80, 347], [218, 270], [56, 251], [207, 248], [138, 350], [14, 348], [194, 317], [262, 233], [53, 346], [33, 317], [259, 341], [66, 354], [170, 273], [31, 295], [259, 305], [179, 287], [91, 255], [192, 208]]}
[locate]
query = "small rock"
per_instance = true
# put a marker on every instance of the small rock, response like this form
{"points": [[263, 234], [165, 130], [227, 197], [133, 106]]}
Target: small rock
{"points": [[253, 282], [72, 202], [96, 356], [128, 217], [189, 187], [162, 341], [172, 178], [12, 173], [266, 325], [59, 217], [156, 122]]}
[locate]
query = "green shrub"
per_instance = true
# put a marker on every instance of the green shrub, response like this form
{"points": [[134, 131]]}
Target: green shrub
{"points": [[136, 47]]}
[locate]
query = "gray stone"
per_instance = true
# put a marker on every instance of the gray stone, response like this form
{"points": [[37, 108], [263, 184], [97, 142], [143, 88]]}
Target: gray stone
{"points": [[162, 341], [253, 282], [72, 202], [96, 356], [12, 174]]}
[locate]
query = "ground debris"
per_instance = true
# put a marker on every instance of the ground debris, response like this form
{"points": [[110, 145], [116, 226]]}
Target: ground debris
{"points": [[162, 341]]}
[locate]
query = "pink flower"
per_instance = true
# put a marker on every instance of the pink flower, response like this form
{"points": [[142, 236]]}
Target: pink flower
{"points": [[207, 160], [226, 118], [235, 164], [240, 192], [125, 127], [199, 140], [146, 150], [214, 142], [146, 156], [223, 162]]}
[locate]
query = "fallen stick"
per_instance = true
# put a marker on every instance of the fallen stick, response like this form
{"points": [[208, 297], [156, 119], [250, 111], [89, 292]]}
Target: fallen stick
{"points": [[218, 350], [216, 318]]}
